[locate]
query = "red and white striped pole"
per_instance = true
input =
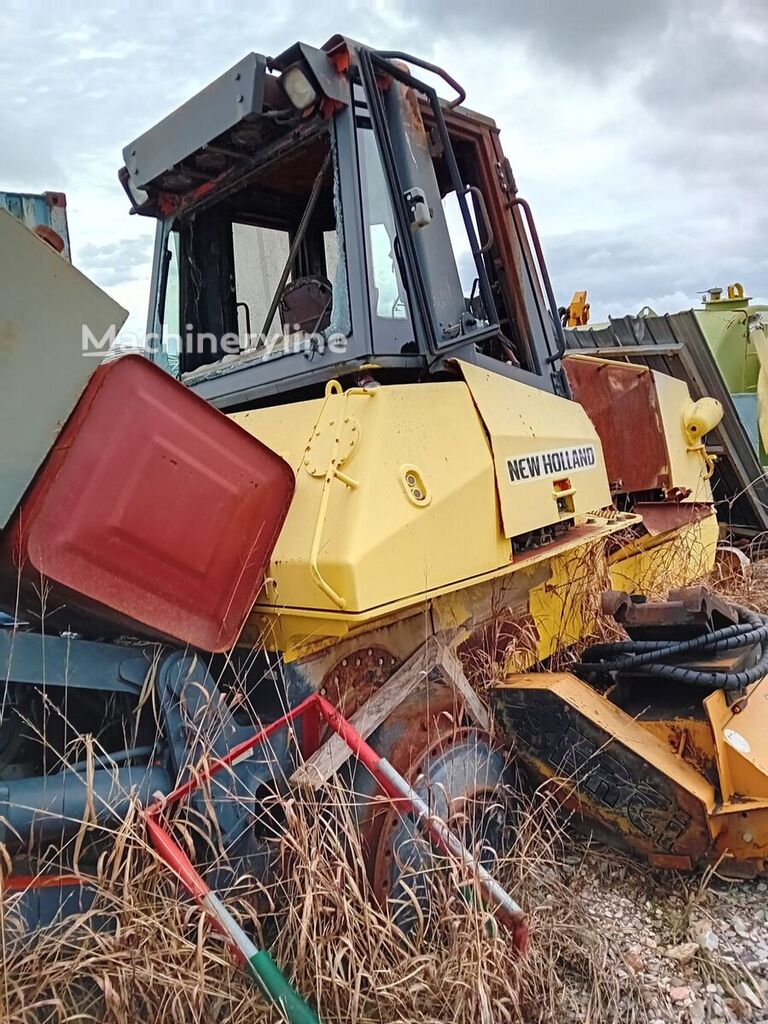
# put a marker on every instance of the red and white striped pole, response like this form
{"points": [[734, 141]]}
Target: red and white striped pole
{"points": [[394, 785], [392, 782]]}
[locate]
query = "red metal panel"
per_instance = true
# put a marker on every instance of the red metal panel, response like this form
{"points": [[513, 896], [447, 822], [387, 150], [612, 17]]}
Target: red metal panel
{"points": [[154, 507]]}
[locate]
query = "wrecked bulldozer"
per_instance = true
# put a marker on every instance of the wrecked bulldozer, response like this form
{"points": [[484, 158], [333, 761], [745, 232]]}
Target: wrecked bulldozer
{"points": [[353, 482]]}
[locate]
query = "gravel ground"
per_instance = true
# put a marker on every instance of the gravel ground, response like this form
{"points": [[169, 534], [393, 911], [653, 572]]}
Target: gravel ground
{"points": [[687, 949]]}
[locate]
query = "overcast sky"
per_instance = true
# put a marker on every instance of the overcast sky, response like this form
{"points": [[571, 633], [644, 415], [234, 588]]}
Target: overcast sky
{"points": [[638, 129]]}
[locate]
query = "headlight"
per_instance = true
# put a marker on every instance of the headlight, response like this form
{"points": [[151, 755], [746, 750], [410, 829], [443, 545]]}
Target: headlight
{"points": [[298, 88]]}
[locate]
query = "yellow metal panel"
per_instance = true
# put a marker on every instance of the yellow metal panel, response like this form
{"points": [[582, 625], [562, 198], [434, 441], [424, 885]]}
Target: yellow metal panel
{"points": [[565, 608], [538, 442], [620, 726], [381, 538], [397, 503], [741, 742], [655, 565], [688, 469]]}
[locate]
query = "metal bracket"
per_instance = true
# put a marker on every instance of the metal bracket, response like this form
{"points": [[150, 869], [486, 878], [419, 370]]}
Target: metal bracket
{"points": [[35, 659]]}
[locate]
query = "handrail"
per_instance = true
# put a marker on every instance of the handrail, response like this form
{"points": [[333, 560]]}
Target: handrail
{"points": [[544, 274], [433, 68]]}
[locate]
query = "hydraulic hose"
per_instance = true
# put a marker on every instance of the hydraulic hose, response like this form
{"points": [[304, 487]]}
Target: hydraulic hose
{"points": [[652, 657]]}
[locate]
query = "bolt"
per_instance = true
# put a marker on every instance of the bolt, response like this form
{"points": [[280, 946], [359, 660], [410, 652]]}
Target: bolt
{"points": [[747, 837]]}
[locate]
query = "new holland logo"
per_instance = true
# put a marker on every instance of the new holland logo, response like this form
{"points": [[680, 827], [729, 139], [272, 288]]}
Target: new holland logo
{"points": [[553, 463]]}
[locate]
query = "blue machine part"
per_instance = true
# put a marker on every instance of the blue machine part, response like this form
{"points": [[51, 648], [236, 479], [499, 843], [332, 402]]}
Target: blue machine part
{"points": [[48, 210], [748, 409], [196, 723], [40, 660], [45, 907]]}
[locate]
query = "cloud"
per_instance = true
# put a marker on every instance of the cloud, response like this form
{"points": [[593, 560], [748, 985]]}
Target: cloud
{"points": [[638, 265], [639, 131], [591, 36], [115, 263]]}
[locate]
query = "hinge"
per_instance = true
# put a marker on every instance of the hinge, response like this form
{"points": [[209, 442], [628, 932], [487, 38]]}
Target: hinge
{"points": [[506, 177]]}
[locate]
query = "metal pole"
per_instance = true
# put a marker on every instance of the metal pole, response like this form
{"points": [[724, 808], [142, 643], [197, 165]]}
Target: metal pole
{"points": [[298, 238], [392, 782], [260, 964]]}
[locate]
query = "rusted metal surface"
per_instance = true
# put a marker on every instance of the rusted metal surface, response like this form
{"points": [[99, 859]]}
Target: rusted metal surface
{"points": [[305, 305], [356, 676], [621, 402], [45, 214], [53, 238], [674, 344], [685, 612], [483, 163], [663, 516], [437, 750], [484, 653]]}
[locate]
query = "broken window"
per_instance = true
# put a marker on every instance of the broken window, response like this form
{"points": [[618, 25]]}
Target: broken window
{"points": [[265, 273], [260, 255]]}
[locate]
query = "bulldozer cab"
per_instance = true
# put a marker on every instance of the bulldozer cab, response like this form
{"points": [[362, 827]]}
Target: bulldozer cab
{"points": [[325, 215]]}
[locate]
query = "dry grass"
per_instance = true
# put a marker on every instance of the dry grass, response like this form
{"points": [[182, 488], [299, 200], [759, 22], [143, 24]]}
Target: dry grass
{"points": [[749, 587], [144, 953]]}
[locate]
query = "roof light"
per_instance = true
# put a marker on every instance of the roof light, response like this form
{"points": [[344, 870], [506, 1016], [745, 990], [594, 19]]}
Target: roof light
{"points": [[138, 195], [298, 88]]}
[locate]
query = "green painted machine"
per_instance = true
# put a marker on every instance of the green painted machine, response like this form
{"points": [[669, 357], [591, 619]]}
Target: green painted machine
{"points": [[737, 334]]}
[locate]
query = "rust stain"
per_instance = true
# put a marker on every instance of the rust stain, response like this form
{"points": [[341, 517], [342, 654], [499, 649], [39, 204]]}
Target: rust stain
{"points": [[8, 335], [415, 124]]}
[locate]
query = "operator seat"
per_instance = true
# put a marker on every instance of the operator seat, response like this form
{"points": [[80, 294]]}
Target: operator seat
{"points": [[305, 305]]}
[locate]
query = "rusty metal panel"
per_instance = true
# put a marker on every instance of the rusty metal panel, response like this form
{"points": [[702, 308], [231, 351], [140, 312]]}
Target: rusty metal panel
{"points": [[663, 516], [621, 401], [44, 304], [674, 344]]}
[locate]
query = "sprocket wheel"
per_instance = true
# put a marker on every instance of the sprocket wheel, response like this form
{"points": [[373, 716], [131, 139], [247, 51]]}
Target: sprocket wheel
{"points": [[457, 771]]}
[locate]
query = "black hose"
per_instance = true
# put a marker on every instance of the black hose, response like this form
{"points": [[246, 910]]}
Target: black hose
{"points": [[651, 657]]}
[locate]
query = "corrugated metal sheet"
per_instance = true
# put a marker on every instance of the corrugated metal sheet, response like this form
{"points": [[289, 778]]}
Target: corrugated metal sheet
{"points": [[49, 210], [674, 344]]}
